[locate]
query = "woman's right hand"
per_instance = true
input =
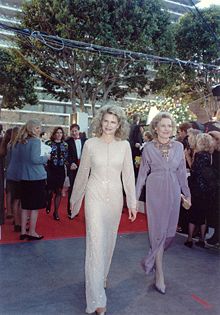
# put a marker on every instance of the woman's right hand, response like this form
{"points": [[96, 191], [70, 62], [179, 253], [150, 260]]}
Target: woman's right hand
{"points": [[132, 214], [73, 166]]}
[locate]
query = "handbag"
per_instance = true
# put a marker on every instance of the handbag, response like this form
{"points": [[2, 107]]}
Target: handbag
{"points": [[137, 160]]}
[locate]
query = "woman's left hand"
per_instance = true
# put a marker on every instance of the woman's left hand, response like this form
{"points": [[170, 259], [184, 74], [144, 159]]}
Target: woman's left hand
{"points": [[187, 201], [132, 214]]}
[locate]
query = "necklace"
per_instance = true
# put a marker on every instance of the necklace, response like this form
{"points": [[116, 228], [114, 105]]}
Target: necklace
{"points": [[164, 148]]}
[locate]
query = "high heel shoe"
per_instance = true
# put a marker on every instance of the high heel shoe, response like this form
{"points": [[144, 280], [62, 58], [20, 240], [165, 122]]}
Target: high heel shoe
{"points": [[200, 244], [105, 283], [23, 237], [56, 216], [100, 311], [188, 244], [161, 291], [35, 238]]}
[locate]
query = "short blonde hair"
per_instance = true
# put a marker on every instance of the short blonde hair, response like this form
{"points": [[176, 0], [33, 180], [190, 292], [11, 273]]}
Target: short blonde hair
{"points": [[204, 142], [123, 130], [192, 134], [218, 115], [215, 135], [27, 131], [157, 119]]}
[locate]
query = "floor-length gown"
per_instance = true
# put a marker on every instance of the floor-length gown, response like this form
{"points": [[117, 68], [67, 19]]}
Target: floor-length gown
{"points": [[165, 179], [102, 167]]}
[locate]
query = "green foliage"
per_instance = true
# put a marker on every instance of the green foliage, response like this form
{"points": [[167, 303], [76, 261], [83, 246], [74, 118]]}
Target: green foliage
{"points": [[16, 82], [198, 37], [194, 42], [135, 25]]}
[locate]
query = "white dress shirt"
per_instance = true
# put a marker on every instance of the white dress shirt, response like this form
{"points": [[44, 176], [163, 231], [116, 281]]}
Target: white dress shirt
{"points": [[78, 148]]}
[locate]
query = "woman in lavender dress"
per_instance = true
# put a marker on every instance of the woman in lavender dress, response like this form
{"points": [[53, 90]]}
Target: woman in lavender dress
{"points": [[163, 169]]}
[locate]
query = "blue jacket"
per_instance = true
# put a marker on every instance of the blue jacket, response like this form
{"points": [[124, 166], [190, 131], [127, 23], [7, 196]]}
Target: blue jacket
{"points": [[26, 162], [13, 161]]}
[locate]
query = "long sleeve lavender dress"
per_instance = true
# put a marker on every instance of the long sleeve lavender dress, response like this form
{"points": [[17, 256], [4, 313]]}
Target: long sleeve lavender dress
{"points": [[99, 179], [165, 179]]}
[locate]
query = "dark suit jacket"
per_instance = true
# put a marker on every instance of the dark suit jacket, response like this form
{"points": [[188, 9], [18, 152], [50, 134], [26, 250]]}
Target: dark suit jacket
{"points": [[135, 137], [72, 152]]}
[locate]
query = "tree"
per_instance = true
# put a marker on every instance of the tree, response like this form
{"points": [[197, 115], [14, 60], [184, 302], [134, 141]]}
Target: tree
{"points": [[135, 25], [16, 81], [197, 37]]}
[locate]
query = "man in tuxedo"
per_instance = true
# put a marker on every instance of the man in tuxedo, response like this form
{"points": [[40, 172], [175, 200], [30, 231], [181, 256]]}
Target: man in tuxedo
{"points": [[75, 146]]}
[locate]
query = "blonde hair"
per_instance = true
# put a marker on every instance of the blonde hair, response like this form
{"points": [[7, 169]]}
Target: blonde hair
{"points": [[204, 142], [123, 130], [27, 131], [155, 121], [218, 115], [192, 134], [215, 135]]}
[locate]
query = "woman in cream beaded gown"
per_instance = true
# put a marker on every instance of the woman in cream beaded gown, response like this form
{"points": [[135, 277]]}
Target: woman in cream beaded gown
{"points": [[106, 159], [163, 170]]}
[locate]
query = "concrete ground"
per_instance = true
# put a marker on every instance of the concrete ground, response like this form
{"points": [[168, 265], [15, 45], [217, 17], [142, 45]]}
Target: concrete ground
{"points": [[47, 278]]}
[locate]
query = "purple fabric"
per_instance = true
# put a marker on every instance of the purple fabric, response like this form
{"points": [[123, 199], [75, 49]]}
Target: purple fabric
{"points": [[165, 179]]}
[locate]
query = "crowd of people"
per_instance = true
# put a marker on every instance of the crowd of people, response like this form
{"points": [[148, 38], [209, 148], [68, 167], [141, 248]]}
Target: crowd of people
{"points": [[169, 172], [33, 171], [201, 143]]}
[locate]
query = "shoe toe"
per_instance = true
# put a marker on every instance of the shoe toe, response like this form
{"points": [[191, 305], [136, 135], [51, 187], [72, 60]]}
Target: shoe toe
{"points": [[23, 237]]}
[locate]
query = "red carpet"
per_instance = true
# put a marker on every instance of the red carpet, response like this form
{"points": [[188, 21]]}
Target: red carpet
{"points": [[66, 228]]}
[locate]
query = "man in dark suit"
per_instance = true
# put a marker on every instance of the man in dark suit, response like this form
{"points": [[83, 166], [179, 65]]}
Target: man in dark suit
{"points": [[75, 146]]}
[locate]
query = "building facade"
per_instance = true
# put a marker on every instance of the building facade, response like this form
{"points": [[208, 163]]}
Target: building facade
{"points": [[178, 8]]}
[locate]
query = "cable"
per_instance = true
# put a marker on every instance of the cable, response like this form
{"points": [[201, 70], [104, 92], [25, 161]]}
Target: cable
{"points": [[57, 43]]}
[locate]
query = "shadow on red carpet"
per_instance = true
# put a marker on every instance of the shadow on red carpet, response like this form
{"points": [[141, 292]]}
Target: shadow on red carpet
{"points": [[66, 228]]}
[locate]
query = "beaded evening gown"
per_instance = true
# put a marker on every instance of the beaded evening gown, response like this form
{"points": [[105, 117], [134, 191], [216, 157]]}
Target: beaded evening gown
{"points": [[103, 168]]}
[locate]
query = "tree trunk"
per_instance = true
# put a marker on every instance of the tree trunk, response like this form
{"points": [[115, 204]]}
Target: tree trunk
{"points": [[1, 105], [93, 107], [81, 95], [73, 99]]}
